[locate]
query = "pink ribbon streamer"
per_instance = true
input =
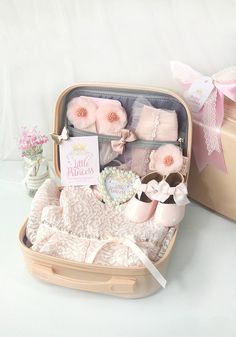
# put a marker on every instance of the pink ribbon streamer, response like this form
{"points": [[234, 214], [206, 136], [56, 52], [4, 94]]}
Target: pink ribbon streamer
{"points": [[207, 147], [126, 137]]}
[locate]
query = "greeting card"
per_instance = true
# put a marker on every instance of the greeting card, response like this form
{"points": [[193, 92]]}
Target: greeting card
{"points": [[79, 161]]}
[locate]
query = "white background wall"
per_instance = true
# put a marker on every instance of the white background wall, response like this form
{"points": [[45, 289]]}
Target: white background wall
{"points": [[47, 45]]}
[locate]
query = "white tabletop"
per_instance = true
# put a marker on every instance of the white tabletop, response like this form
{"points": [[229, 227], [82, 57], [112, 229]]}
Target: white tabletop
{"points": [[199, 300]]}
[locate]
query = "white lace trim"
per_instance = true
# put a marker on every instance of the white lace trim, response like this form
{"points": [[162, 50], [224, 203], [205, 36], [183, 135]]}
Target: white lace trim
{"points": [[209, 124], [156, 122]]}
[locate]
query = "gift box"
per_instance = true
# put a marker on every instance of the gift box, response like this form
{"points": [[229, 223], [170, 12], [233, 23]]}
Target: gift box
{"points": [[212, 187], [212, 101]]}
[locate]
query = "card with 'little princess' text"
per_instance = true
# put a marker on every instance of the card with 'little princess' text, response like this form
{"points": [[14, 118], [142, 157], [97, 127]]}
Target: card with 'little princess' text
{"points": [[79, 161]]}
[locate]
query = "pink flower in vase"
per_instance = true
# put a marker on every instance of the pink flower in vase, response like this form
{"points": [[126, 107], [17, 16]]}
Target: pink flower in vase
{"points": [[31, 144], [166, 159], [31, 141], [81, 112]]}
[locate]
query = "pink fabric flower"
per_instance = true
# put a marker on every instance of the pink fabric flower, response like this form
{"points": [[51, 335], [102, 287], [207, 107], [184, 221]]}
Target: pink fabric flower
{"points": [[111, 118], [81, 112], [167, 159]]}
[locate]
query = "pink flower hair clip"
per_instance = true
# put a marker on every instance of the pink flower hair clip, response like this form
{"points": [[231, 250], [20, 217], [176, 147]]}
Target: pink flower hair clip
{"points": [[166, 159]]}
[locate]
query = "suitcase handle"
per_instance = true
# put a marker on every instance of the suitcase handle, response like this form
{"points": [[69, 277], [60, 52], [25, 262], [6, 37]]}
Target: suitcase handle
{"points": [[115, 284]]}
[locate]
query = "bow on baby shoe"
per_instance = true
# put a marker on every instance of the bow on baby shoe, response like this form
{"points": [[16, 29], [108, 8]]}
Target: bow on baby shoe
{"points": [[179, 193], [150, 189], [127, 136]]}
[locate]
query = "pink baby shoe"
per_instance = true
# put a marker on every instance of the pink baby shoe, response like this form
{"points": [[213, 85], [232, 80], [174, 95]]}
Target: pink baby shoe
{"points": [[81, 112], [172, 200], [166, 159], [143, 204]]}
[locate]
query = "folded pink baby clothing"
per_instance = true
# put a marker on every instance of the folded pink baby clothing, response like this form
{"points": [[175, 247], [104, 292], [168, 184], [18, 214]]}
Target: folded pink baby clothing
{"points": [[86, 216], [155, 124], [150, 124], [77, 224], [77, 210], [48, 194], [114, 252]]}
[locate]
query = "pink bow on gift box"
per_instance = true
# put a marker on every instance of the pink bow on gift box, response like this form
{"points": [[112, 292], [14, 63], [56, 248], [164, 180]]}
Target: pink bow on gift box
{"points": [[207, 122], [126, 137]]}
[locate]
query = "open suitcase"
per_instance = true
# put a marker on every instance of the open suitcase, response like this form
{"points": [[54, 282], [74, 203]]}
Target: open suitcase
{"points": [[130, 282]]}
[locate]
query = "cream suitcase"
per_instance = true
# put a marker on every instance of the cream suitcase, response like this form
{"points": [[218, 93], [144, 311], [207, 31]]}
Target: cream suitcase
{"points": [[130, 282]]}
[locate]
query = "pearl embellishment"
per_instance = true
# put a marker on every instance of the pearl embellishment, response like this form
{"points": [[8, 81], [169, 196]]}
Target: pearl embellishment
{"points": [[116, 185]]}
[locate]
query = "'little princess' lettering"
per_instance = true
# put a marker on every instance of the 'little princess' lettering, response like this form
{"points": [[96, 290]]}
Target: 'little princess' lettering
{"points": [[79, 159]]}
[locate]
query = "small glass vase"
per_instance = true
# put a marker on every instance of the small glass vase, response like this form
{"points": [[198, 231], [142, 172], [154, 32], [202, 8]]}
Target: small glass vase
{"points": [[36, 172]]}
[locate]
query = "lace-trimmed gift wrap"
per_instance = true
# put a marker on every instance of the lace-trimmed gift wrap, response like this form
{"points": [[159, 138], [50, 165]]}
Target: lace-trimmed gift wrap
{"points": [[207, 122]]}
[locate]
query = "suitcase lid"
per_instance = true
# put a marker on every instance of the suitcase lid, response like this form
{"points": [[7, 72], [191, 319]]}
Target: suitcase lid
{"points": [[127, 94]]}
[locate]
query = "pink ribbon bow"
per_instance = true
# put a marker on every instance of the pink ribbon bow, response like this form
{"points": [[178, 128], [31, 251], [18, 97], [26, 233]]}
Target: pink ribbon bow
{"points": [[207, 122], [126, 137], [150, 189], [179, 193]]}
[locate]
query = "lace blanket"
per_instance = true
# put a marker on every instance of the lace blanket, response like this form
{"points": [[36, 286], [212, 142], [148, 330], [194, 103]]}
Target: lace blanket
{"points": [[73, 224]]}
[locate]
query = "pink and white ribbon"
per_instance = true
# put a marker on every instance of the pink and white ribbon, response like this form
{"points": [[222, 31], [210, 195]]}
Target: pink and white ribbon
{"points": [[207, 147], [127, 136]]}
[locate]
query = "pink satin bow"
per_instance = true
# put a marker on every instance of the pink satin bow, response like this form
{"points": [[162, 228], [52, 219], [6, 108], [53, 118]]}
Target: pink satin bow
{"points": [[150, 189], [207, 147], [179, 193], [126, 137]]}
